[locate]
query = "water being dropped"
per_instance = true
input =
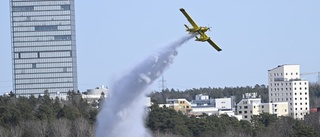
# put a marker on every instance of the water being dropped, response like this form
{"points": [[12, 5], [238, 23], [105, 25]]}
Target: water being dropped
{"points": [[123, 112]]}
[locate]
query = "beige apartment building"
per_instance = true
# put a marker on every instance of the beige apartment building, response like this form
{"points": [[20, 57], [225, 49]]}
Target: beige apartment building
{"points": [[182, 105], [251, 105]]}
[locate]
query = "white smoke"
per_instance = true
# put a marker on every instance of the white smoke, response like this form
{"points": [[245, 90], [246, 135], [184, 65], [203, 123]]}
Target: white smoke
{"points": [[123, 112]]}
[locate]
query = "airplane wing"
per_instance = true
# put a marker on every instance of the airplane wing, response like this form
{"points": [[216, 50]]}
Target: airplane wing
{"points": [[194, 25], [214, 45]]}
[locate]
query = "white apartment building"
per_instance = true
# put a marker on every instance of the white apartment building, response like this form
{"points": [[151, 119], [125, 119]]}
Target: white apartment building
{"points": [[251, 105], [219, 103], [223, 103], [285, 85]]}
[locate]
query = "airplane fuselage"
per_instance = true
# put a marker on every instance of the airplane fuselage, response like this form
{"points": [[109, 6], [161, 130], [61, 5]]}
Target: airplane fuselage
{"points": [[200, 30], [203, 29], [205, 39]]}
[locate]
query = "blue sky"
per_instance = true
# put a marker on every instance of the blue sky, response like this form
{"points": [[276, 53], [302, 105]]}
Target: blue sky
{"points": [[112, 36]]}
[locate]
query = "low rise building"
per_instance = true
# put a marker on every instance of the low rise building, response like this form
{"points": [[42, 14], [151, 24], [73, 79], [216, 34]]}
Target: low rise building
{"points": [[182, 105], [251, 105], [93, 95]]}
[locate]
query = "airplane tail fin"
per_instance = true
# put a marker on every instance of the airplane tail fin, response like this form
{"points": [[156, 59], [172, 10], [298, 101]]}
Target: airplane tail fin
{"points": [[197, 39], [186, 26]]}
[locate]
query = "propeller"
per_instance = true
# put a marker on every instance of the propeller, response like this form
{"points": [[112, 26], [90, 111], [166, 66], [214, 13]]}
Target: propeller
{"points": [[209, 28]]}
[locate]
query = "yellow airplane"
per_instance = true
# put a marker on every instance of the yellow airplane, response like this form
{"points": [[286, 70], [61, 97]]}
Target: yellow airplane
{"points": [[199, 29]]}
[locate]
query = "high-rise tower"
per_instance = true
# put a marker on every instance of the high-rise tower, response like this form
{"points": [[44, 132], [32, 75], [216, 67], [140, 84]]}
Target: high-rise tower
{"points": [[285, 85], [43, 46]]}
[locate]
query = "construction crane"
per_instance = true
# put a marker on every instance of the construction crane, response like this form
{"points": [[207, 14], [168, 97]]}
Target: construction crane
{"points": [[313, 73]]}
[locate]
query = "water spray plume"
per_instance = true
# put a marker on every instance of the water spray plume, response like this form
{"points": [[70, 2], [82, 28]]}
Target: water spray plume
{"points": [[123, 112]]}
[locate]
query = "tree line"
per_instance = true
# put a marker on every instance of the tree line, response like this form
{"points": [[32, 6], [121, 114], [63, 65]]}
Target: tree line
{"points": [[46, 117], [169, 123]]}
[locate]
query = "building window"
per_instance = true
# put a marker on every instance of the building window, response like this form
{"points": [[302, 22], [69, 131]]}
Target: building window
{"points": [[65, 7], [22, 8], [305, 93], [300, 103], [305, 88], [62, 37], [34, 65], [306, 98], [240, 107], [290, 104], [295, 103], [306, 108], [46, 28], [295, 98], [300, 108], [306, 103], [245, 116], [300, 98], [296, 108], [275, 110], [295, 93], [245, 112], [240, 112], [245, 107]]}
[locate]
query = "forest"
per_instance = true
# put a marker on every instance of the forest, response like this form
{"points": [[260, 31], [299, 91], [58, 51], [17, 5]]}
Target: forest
{"points": [[45, 117]]}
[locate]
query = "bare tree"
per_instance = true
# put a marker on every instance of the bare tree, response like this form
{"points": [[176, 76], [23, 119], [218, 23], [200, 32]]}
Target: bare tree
{"points": [[4, 132], [232, 132], [60, 128], [38, 128], [82, 128], [16, 131], [280, 128], [159, 134]]}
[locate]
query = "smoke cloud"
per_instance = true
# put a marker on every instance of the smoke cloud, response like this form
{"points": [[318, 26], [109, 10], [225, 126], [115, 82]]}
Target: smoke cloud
{"points": [[123, 112]]}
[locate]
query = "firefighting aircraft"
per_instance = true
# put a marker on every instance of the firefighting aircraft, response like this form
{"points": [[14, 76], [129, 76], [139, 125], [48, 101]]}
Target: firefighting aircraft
{"points": [[199, 29]]}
